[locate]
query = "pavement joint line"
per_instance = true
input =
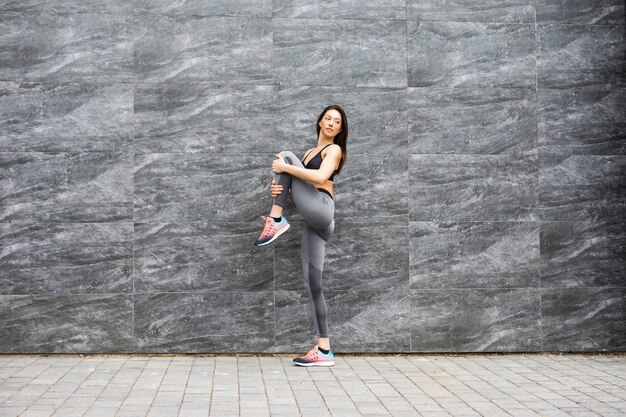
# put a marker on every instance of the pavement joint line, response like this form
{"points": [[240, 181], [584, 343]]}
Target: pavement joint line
{"points": [[370, 390], [480, 385]]}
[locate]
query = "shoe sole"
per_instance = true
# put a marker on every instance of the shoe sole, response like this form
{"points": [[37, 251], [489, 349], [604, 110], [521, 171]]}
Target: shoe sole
{"points": [[331, 363], [280, 232]]}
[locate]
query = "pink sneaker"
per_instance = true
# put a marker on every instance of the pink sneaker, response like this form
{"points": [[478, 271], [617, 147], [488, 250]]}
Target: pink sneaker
{"points": [[315, 358], [272, 230]]}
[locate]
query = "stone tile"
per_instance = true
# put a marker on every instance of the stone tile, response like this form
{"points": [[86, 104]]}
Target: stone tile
{"points": [[582, 188], [452, 54], [200, 256], [491, 320], [582, 254], [38, 412], [66, 323], [191, 117], [59, 117], [295, 328], [581, 122], [180, 48], [509, 11], [583, 319], [373, 186], [474, 255], [573, 11], [68, 6], [369, 53], [353, 317], [580, 56], [360, 254], [37, 258], [353, 9], [471, 121], [52, 47], [377, 118], [190, 187], [472, 187], [204, 322], [100, 412], [192, 412], [66, 187], [201, 8]]}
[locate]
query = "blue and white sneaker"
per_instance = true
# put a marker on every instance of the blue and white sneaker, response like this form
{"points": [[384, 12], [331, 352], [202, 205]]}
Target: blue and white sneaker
{"points": [[315, 358], [272, 230]]}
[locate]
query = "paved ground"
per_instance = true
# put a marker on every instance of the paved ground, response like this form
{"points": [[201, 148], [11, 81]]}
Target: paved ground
{"points": [[393, 385]]}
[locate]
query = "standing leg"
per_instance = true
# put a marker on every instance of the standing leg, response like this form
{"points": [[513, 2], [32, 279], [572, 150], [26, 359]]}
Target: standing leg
{"points": [[312, 258]]}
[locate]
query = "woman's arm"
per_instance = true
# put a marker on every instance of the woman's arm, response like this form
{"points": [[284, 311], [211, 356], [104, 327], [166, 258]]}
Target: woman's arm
{"points": [[316, 176]]}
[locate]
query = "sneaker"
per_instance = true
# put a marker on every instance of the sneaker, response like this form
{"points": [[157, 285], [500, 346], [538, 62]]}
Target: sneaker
{"points": [[315, 358], [272, 230]]}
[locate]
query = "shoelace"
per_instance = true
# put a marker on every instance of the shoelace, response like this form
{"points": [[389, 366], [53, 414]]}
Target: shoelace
{"points": [[312, 354], [269, 227]]}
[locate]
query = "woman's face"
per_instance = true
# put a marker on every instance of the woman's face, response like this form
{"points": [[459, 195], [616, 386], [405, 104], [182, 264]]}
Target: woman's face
{"points": [[331, 123]]}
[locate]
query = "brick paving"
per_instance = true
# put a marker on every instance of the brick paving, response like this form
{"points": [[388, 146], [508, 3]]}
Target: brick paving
{"points": [[519, 385]]}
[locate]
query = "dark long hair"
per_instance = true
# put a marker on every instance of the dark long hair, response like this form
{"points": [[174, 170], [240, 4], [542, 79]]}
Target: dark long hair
{"points": [[342, 137]]}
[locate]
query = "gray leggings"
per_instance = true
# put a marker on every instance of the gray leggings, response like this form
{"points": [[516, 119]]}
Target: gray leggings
{"points": [[317, 210]]}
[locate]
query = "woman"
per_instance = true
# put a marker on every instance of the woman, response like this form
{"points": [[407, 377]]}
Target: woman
{"points": [[310, 183]]}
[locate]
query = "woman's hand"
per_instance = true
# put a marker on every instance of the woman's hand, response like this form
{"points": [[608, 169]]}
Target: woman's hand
{"points": [[278, 164], [275, 189]]}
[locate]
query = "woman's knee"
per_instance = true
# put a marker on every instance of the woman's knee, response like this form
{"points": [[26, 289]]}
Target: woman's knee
{"points": [[288, 156]]}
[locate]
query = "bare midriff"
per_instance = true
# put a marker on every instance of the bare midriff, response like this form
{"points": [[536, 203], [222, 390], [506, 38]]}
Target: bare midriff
{"points": [[328, 186]]}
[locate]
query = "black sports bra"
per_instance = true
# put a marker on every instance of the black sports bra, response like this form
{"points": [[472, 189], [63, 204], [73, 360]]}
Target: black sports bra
{"points": [[316, 161]]}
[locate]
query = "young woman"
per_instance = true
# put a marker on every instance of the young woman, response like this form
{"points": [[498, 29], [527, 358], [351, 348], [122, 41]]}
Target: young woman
{"points": [[310, 183]]}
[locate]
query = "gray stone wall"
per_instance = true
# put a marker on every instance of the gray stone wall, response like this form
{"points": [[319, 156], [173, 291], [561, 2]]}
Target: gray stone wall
{"points": [[481, 208]]}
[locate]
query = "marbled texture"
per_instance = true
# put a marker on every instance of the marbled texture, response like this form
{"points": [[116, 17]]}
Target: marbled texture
{"points": [[294, 322], [474, 255], [65, 117], [498, 11], [354, 53], [589, 12], [450, 54], [583, 319], [194, 118], [72, 323], [481, 207], [77, 258], [197, 49], [582, 187], [347, 9], [472, 187], [66, 187], [205, 8], [581, 56], [358, 321], [359, 255], [174, 257], [205, 322], [188, 187], [377, 117], [69, 6], [583, 254], [65, 47], [373, 186], [493, 320], [471, 121], [585, 122]]}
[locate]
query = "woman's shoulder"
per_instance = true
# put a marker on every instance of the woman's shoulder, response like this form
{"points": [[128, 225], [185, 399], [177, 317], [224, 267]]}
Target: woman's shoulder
{"points": [[333, 146]]}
